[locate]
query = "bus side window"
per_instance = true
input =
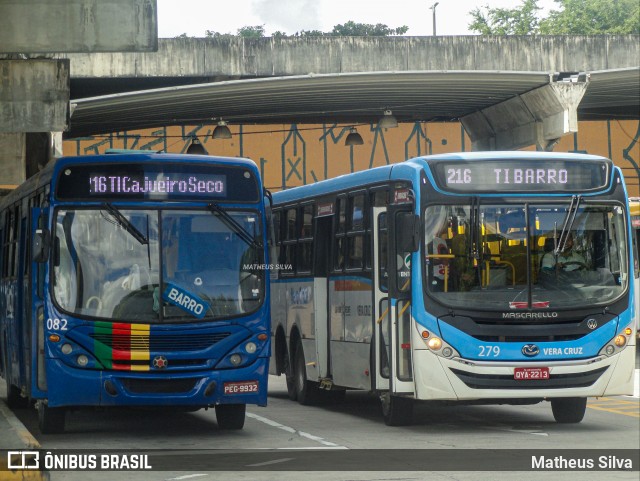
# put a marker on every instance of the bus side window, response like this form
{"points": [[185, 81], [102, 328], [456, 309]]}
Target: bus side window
{"points": [[276, 254], [355, 234], [339, 235], [305, 241], [290, 240]]}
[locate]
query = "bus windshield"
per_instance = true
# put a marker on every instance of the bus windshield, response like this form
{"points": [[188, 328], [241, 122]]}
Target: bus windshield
{"points": [[513, 256], [156, 265]]}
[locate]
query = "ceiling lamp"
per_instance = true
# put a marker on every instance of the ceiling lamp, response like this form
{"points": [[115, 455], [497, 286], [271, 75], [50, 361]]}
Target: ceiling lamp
{"points": [[354, 138], [221, 131], [196, 148], [388, 121]]}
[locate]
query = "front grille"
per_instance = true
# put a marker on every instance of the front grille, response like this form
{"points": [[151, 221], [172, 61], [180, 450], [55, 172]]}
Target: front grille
{"points": [[523, 331], [536, 337], [160, 342], [506, 381], [159, 386]]}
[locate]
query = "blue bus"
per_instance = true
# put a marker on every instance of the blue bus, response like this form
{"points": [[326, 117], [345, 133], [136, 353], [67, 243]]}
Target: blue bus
{"points": [[136, 280], [484, 278]]}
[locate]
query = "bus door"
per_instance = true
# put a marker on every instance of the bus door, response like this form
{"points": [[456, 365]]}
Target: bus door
{"points": [[321, 262], [41, 245], [23, 297], [392, 303]]}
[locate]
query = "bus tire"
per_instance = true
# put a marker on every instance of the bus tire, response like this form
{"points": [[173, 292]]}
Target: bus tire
{"points": [[231, 416], [290, 376], [307, 392], [396, 410], [569, 410], [51, 420]]}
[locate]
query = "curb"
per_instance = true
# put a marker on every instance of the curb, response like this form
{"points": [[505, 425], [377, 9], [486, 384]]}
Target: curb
{"points": [[28, 442], [25, 436]]}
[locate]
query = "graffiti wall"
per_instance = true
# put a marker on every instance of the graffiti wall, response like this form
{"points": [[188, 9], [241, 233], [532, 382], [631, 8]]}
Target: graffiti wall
{"points": [[295, 154]]}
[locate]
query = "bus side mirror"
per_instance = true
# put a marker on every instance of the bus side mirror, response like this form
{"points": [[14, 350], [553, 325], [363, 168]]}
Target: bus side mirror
{"points": [[407, 232], [41, 245]]}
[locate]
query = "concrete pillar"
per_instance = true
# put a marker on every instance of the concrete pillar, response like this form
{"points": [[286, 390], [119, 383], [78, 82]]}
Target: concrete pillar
{"points": [[23, 155], [12, 161], [539, 117]]}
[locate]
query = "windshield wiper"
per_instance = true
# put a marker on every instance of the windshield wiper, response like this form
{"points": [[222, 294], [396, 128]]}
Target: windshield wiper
{"points": [[233, 224], [125, 223], [474, 226], [568, 223]]}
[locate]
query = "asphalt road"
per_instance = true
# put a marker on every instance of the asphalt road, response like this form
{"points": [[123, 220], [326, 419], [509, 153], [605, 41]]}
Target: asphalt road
{"points": [[348, 441]]}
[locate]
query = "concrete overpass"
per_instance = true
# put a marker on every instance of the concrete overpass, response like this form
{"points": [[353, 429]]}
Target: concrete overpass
{"points": [[507, 91], [202, 60]]}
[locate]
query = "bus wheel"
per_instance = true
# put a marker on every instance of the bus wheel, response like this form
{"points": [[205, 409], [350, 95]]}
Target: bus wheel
{"points": [[230, 416], [307, 392], [396, 410], [289, 374], [50, 420], [569, 410], [14, 398]]}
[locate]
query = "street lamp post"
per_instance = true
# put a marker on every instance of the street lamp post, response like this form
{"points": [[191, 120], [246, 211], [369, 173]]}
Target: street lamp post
{"points": [[433, 7]]}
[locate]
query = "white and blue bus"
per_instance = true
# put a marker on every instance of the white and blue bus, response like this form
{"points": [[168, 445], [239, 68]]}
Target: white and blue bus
{"points": [[135, 280], [451, 278]]}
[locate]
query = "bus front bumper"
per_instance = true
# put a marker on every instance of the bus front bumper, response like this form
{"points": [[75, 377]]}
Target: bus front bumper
{"points": [[439, 378], [67, 386]]}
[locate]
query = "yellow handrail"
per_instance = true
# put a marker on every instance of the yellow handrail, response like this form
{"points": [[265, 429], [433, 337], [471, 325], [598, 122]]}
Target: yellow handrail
{"points": [[513, 270]]}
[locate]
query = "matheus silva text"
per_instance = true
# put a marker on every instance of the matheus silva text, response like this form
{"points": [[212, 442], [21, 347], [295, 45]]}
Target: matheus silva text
{"points": [[561, 462]]}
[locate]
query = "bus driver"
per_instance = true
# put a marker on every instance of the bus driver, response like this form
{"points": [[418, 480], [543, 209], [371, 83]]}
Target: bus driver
{"points": [[568, 260]]}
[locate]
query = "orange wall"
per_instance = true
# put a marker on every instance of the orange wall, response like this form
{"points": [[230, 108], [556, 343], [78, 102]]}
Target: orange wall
{"points": [[295, 154]]}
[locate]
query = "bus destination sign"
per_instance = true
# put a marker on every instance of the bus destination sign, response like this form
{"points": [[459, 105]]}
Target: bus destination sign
{"points": [[171, 181], [174, 183], [521, 176]]}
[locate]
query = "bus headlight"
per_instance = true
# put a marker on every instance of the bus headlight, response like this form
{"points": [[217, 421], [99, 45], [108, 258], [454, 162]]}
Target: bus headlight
{"points": [[235, 359], [250, 347], [82, 360], [66, 349], [435, 343], [447, 352], [609, 350], [620, 340]]}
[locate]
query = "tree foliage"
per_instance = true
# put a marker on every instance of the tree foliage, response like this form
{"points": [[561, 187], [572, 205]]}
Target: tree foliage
{"points": [[590, 17], [350, 28], [521, 20], [573, 17]]}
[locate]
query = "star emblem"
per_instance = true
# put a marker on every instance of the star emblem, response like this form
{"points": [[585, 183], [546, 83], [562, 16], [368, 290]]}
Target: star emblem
{"points": [[160, 362]]}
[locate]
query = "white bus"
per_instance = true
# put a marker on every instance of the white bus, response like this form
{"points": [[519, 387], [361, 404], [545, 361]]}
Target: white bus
{"points": [[449, 278]]}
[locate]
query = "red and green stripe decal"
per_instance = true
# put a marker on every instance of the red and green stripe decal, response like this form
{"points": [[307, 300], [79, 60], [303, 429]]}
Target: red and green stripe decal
{"points": [[122, 347]]}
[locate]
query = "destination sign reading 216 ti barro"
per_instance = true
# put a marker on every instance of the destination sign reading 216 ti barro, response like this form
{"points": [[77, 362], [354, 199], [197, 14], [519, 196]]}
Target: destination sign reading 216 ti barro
{"points": [[521, 176]]}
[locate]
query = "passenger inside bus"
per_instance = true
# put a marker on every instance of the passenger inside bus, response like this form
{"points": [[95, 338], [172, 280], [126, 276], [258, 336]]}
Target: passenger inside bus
{"points": [[463, 270], [440, 263]]}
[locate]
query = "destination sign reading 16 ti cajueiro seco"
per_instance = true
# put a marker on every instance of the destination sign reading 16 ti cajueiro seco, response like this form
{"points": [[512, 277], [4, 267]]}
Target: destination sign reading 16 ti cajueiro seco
{"points": [[165, 184]]}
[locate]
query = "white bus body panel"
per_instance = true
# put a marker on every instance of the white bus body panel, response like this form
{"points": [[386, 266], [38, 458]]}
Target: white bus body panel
{"points": [[321, 328], [293, 304], [351, 328], [434, 379]]}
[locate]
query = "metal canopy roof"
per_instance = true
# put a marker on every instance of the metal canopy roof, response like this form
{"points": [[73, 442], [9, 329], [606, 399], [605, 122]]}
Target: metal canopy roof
{"points": [[341, 98]]}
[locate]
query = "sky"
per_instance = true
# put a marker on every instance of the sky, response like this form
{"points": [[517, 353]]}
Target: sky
{"points": [[195, 17]]}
